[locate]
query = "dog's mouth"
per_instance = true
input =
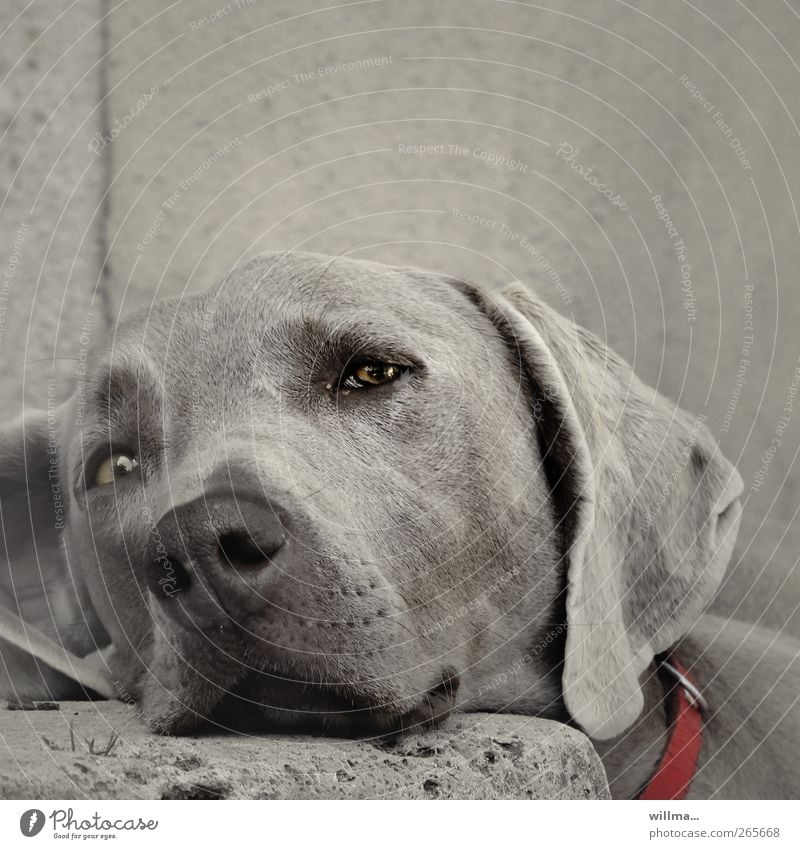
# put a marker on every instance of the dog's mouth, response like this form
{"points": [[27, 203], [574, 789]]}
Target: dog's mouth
{"points": [[266, 702], [270, 702]]}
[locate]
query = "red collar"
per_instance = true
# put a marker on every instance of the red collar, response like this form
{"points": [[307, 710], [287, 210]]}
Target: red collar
{"points": [[678, 764]]}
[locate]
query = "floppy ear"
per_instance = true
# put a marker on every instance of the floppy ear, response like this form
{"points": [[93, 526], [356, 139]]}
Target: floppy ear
{"points": [[648, 505], [47, 623]]}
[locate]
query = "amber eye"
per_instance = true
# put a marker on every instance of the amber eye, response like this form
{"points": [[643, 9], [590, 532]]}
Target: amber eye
{"points": [[371, 373], [116, 466]]}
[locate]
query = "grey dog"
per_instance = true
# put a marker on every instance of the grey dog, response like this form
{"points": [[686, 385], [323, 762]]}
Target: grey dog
{"points": [[331, 495]]}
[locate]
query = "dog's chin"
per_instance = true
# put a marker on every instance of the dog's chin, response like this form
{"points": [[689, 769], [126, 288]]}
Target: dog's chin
{"points": [[268, 702]]}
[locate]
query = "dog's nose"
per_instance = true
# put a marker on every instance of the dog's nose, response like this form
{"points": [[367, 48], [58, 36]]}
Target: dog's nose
{"points": [[216, 553]]}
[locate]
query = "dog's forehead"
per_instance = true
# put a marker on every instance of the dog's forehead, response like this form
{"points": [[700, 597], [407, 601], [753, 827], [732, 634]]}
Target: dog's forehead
{"points": [[283, 295], [279, 287], [287, 305]]}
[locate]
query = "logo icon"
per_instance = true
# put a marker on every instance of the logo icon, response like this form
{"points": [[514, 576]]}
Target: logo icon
{"points": [[31, 822]]}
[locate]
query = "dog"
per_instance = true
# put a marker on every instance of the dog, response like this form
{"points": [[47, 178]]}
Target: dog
{"points": [[338, 497]]}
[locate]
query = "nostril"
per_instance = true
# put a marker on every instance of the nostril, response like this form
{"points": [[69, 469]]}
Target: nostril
{"points": [[173, 576], [241, 549]]}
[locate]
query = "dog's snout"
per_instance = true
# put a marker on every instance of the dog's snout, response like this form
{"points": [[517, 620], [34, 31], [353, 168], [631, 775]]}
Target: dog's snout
{"points": [[217, 553]]}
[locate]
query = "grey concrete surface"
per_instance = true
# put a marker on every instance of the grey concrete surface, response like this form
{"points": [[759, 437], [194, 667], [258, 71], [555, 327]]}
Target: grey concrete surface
{"points": [[479, 756], [51, 192]]}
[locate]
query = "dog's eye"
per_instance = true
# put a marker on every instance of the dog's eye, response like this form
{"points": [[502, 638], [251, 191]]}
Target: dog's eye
{"points": [[370, 373], [116, 466]]}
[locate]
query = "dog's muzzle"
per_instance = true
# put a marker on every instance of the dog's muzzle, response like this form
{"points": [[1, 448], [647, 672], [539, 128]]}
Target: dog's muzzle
{"points": [[213, 570], [268, 701]]}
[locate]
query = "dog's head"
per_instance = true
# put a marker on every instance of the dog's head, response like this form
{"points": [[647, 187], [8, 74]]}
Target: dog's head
{"points": [[333, 495]]}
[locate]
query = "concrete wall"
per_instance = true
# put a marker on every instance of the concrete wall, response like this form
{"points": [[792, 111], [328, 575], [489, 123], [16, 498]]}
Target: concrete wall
{"points": [[51, 196]]}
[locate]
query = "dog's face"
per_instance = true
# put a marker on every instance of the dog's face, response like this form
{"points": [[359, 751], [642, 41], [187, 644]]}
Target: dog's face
{"points": [[337, 496], [312, 497]]}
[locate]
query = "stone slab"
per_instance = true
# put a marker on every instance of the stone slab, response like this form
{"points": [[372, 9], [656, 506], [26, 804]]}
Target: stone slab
{"points": [[475, 756]]}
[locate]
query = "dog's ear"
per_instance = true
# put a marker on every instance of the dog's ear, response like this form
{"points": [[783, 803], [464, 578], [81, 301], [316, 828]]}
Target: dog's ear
{"points": [[648, 505], [47, 623]]}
